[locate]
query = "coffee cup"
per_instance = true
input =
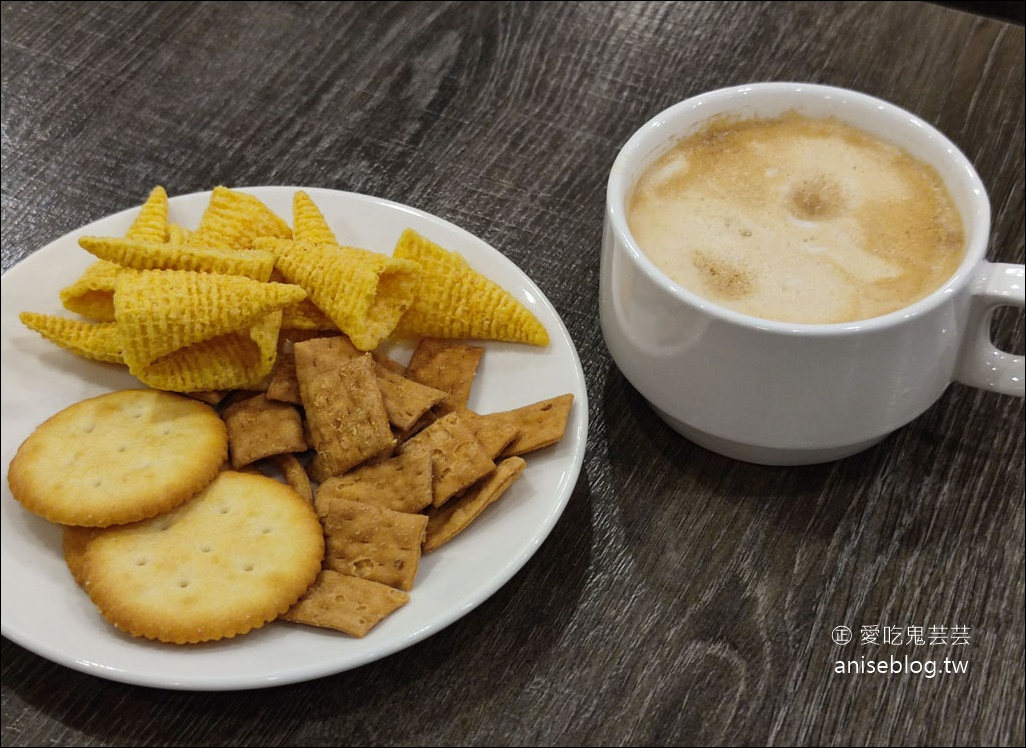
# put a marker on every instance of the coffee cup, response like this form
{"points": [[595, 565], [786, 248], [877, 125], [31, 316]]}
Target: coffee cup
{"points": [[794, 389]]}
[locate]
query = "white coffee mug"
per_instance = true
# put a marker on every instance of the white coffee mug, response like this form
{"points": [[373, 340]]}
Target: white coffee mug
{"points": [[780, 393]]}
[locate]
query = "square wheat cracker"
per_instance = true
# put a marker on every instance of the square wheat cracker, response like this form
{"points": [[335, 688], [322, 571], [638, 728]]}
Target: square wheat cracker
{"points": [[448, 521], [259, 428], [401, 483], [457, 458], [344, 409], [348, 604], [447, 365], [367, 541]]}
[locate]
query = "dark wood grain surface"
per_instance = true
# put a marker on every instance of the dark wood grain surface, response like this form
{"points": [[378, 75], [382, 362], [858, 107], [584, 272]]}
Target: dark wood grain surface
{"points": [[682, 598]]}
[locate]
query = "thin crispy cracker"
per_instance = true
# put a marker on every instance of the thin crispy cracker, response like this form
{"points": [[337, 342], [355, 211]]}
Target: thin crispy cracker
{"points": [[457, 458], [406, 400], [447, 522], [283, 384], [401, 483], [539, 424], [295, 475], [348, 604], [447, 365], [210, 397], [373, 543], [259, 428], [494, 433], [344, 410]]}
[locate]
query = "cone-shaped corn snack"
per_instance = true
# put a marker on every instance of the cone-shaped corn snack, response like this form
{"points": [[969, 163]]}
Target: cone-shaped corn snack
{"points": [[234, 219], [98, 341], [305, 315], [177, 234], [151, 223], [92, 295], [308, 225], [131, 253], [363, 293], [239, 360], [455, 301], [161, 311]]}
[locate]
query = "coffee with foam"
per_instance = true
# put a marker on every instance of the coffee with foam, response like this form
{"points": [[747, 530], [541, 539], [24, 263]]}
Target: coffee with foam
{"points": [[797, 219]]}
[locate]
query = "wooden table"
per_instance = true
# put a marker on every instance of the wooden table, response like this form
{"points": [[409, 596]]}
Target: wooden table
{"points": [[682, 598]]}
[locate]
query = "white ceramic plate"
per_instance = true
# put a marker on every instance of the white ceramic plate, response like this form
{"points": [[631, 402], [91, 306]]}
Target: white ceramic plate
{"points": [[43, 609]]}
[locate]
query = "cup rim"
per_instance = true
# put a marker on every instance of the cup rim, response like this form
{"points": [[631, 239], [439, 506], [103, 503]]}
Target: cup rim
{"points": [[617, 188]]}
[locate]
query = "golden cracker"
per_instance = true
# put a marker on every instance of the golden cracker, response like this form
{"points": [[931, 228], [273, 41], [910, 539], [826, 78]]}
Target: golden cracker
{"points": [[448, 521], [259, 428], [236, 556], [447, 365], [367, 541], [119, 457], [74, 541], [539, 424], [457, 458], [401, 483], [348, 604], [344, 410]]}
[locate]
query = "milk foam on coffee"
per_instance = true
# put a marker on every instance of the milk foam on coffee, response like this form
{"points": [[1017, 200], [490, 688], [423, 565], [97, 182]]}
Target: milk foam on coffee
{"points": [[797, 219]]}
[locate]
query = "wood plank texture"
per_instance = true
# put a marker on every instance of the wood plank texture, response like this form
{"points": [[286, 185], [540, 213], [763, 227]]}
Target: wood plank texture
{"points": [[682, 599]]}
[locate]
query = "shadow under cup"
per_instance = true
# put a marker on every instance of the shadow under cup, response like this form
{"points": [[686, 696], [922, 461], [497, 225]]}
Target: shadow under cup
{"points": [[780, 393]]}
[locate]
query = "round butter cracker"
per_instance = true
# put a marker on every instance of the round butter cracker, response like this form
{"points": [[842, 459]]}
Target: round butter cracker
{"points": [[227, 561], [118, 458]]}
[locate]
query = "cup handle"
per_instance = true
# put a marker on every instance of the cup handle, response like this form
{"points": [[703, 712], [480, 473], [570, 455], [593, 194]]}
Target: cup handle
{"points": [[981, 364]]}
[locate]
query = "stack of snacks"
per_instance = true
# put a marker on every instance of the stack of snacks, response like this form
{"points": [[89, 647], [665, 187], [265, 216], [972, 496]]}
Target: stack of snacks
{"points": [[401, 465], [277, 330], [167, 544]]}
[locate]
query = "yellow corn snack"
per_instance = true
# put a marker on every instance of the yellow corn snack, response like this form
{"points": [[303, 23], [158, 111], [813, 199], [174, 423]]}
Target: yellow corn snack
{"points": [[98, 341], [308, 224], [239, 360], [92, 295], [161, 311], [232, 220], [305, 315], [363, 293], [455, 301], [139, 255], [177, 234], [150, 224]]}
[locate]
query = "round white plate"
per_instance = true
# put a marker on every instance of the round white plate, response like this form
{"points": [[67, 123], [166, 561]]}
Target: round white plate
{"points": [[46, 612]]}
